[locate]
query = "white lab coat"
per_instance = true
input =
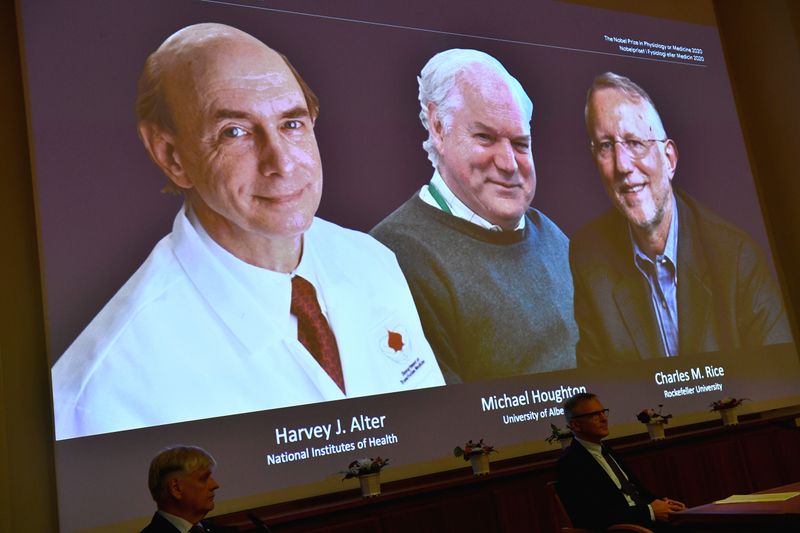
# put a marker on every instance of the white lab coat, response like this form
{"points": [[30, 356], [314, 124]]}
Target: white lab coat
{"points": [[184, 340]]}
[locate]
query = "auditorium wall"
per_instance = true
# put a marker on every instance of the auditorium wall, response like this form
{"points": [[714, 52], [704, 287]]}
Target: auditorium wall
{"points": [[761, 45]]}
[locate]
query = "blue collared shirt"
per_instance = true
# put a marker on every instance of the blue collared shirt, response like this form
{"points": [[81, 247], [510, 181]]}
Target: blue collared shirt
{"points": [[662, 278]]}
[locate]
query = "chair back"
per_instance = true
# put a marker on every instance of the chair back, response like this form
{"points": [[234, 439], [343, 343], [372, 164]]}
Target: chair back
{"points": [[559, 512], [564, 523]]}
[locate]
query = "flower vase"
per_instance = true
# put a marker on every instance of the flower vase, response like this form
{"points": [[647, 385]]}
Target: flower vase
{"points": [[370, 484], [480, 463], [729, 416], [565, 442], [656, 431]]}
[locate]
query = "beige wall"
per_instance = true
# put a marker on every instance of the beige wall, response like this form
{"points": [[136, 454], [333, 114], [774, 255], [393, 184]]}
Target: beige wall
{"points": [[761, 44], [762, 48], [27, 485]]}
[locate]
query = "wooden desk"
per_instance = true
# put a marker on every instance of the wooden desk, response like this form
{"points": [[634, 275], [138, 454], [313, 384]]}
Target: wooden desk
{"points": [[741, 517]]}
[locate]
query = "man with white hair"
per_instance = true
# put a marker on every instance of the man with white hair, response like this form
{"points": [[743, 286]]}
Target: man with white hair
{"points": [[489, 274], [182, 484], [659, 275], [251, 302]]}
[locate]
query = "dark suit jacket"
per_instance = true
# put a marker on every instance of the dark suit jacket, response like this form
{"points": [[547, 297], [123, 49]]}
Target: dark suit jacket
{"points": [[159, 524], [591, 498], [726, 296]]}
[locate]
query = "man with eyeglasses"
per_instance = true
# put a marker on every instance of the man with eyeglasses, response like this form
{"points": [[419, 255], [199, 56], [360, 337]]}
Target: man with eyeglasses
{"points": [[660, 275], [594, 486]]}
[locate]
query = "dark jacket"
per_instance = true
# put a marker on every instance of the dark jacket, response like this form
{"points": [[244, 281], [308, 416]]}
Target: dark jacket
{"points": [[591, 498], [726, 296]]}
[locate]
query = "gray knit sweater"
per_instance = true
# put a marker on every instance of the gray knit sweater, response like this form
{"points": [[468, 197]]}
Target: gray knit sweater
{"points": [[492, 304]]}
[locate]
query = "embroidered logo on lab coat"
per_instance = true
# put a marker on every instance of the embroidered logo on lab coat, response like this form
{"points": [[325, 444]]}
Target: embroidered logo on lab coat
{"points": [[395, 345], [395, 341]]}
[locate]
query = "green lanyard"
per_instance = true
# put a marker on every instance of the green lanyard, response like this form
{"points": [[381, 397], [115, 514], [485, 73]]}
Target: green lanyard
{"points": [[439, 199]]}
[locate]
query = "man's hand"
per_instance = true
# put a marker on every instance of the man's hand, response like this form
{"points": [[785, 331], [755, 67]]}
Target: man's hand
{"points": [[664, 507], [675, 505]]}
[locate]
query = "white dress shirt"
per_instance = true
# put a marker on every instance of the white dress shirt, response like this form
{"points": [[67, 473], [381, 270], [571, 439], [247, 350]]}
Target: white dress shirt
{"points": [[456, 206], [596, 451], [196, 333]]}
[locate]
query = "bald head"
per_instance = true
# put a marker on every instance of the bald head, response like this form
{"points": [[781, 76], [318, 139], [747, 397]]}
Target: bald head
{"points": [[231, 125], [178, 68]]}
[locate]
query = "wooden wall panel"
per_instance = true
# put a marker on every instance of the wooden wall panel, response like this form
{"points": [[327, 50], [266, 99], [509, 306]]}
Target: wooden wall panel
{"points": [[762, 453], [787, 447], [519, 506], [359, 525]]}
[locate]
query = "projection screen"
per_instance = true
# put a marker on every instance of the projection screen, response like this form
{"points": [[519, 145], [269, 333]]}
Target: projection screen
{"points": [[100, 213]]}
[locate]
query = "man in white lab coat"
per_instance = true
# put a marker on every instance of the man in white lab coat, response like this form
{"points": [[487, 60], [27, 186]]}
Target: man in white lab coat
{"points": [[251, 302]]}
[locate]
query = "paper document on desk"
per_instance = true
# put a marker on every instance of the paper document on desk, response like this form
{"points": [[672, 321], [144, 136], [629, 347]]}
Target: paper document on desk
{"points": [[758, 498]]}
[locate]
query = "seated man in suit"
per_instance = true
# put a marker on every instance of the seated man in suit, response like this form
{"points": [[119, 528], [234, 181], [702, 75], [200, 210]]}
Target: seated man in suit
{"points": [[626, 264], [182, 485], [595, 487]]}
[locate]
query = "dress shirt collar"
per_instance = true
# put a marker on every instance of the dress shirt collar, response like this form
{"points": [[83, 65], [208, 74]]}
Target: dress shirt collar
{"points": [[180, 524], [272, 291], [592, 447], [596, 451], [670, 248], [457, 207]]}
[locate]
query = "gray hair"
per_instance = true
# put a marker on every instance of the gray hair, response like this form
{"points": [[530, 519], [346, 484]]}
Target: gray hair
{"points": [[439, 76], [172, 461], [574, 401], [610, 80]]}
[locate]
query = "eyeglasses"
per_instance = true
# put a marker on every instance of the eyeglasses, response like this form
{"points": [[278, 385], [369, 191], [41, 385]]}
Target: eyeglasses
{"points": [[636, 148], [593, 414]]}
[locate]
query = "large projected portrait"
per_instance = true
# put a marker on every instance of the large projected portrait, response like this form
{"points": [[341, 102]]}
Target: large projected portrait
{"points": [[629, 302], [489, 276], [250, 297]]}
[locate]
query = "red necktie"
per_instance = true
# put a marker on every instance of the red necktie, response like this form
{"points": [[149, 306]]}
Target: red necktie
{"points": [[313, 330]]}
